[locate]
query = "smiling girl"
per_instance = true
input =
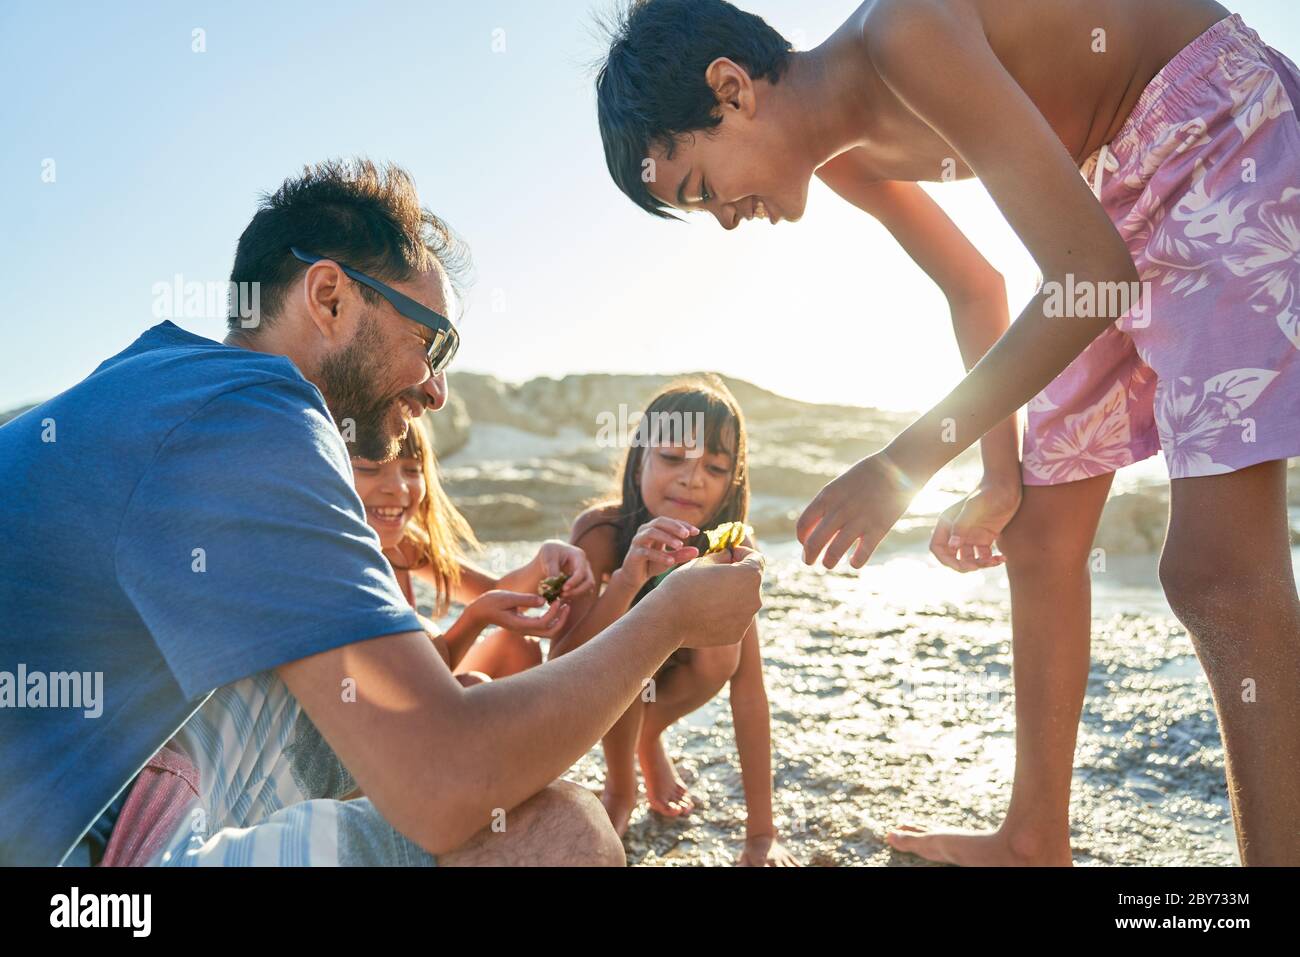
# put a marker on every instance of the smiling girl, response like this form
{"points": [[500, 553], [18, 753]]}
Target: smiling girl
{"points": [[424, 535], [673, 486]]}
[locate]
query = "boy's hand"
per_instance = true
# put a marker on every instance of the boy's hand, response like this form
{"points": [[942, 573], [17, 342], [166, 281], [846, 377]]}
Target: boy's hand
{"points": [[966, 531], [764, 850], [561, 558], [711, 601], [860, 506]]}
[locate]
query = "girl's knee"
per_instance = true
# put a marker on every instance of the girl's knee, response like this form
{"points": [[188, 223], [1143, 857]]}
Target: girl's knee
{"points": [[716, 664], [530, 652], [519, 653], [507, 652]]}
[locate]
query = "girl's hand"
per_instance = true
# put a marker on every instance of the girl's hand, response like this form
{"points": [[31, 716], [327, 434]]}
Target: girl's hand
{"points": [[657, 546], [764, 850], [505, 609], [965, 533], [561, 558]]}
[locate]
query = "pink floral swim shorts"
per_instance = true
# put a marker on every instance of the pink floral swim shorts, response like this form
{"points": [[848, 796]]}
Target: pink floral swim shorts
{"points": [[1203, 183]]}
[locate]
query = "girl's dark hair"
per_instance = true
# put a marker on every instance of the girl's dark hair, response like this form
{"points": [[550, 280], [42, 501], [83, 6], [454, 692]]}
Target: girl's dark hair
{"points": [[724, 432], [365, 216], [651, 87]]}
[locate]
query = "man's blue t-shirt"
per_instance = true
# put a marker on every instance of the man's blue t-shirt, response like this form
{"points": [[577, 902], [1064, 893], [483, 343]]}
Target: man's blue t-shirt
{"points": [[182, 518]]}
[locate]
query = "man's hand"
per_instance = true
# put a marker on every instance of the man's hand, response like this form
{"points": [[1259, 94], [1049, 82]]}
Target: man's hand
{"points": [[860, 506], [712, 600], [966, 531]]}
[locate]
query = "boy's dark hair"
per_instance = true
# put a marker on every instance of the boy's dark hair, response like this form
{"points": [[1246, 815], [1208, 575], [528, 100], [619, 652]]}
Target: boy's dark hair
{"points": [[651, 87], [364, 216]]}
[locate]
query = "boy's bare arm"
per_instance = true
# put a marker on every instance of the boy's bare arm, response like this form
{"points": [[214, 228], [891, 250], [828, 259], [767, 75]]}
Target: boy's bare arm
{"points": [[437, 759], [976, 292], [921, 227], [935, 58]]}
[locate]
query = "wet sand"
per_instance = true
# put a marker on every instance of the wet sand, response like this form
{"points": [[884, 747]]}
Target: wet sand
{"points": [[891, 702]]}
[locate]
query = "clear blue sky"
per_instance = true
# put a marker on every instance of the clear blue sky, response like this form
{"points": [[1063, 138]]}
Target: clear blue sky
{"points": [[160, 153]]}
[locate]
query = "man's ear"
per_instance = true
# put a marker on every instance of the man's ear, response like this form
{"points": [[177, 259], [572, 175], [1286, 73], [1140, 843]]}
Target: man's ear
{"points": [[732, 85], [322, 291]]}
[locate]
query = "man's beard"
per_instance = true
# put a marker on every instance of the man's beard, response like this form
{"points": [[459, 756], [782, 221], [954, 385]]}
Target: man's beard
{"points": [[349, 380]]}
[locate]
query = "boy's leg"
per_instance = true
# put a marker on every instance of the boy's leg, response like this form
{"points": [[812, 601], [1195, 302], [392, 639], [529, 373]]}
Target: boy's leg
{"points": [[682, 689], [1047, 546], [620, 791], [1226, 570]]}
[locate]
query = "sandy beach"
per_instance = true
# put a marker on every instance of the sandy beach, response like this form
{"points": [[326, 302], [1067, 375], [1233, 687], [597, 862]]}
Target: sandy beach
{"points": [[890, 688], [891, 703]]}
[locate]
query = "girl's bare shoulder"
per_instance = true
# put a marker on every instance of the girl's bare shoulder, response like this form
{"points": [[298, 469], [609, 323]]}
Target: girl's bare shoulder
{"points": [[596, 530]]}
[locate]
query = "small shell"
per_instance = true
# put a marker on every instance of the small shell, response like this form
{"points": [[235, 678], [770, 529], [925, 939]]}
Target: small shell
{"points": [[550, 588]]}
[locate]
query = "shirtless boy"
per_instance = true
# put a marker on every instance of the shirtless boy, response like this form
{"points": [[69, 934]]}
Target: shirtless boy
{"points": [[1182, 122]]}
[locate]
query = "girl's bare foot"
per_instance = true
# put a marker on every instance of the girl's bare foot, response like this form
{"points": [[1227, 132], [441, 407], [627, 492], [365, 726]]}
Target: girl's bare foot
{"points": [[979, 848], [664, 790], [619, 806]]}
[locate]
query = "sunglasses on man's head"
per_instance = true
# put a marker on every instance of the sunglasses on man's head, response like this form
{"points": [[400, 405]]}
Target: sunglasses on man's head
{"points": [[446, 340]]}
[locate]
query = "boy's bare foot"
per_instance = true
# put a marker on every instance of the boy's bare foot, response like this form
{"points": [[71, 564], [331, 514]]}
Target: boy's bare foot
{"points": [[664, 790], [619, 806], [978, 848]]}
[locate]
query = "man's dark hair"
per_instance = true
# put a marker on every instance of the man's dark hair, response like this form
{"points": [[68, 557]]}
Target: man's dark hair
{"points": [[364, 216], [651, 88]]}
